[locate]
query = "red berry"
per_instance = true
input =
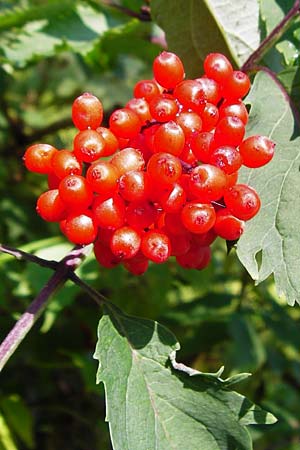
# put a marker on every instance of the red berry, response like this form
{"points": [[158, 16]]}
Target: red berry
{"points": [[80, 229], [169, 137], [190, 122], [163, 108], [229, 131], [201, 145], [137, 265], [134, 185], [111, 142], [50, 206], [125, 242], [237, 109], [164, 169], [207, 183], [257, 151], [87, 112], [226, 158], [217, 67], [243, 201], [105, 256], [141, 107], [89, 146], [146, 89], [75, 192], [128, 159], [156, 246], [141, 215], [191, 95], [198, 217], [38, 157], [65, 163], [103, 178], [227, 226], [237, 85], [109, 213], [125, 123], [168, 70], [195, 258]]}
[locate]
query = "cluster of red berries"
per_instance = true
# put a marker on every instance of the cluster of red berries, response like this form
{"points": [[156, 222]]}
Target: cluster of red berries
{"points": [[161, 181]]}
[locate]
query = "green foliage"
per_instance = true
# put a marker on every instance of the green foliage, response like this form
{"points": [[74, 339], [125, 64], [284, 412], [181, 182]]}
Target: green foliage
{"points": [[151, 405], [50, 51], [275, 232]]}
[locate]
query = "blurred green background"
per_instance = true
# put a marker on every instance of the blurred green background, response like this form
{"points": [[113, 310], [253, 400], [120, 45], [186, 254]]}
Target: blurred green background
{"points": [[50, 52]]}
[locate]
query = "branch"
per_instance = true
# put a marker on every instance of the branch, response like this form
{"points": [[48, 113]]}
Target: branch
{"points": [[63, 271], [270, 40], [19, 254]]}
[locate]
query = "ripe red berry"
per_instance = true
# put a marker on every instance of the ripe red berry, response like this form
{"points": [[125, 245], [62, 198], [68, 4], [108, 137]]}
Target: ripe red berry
{"points": [[243, 201], [75, 192], [257, 151], [168, 70], [87, 112], [190, 122], [88, 146], [103, 178], [147, 89], [191, 95], [80, 228], [217, 67], [156, 246], [128, 159], [141, 107], [198, 217], [226, 158], [229, 131], [134, 186], [104, 255], [164, 169], [201, 145], [163, 108], [125, 123], [207, 183], [195, 258], [109, 213], [237, 109], [237, 85], [64, 162], [125, 242], [111, 142], [51, 207], [38, 157], [227, 226], [169, 137]]}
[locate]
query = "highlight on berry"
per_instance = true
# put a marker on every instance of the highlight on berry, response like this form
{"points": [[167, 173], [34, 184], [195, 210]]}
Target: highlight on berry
{"points": [[162, 180]]}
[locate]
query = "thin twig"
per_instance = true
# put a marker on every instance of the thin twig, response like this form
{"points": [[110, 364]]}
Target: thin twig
{"points": [[19, 254], [270, 40], [63, 270]]}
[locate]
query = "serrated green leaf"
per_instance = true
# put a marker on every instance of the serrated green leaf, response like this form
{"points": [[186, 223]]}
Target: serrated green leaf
{"points": [[195, 28], [273, 235], [151, 404]]}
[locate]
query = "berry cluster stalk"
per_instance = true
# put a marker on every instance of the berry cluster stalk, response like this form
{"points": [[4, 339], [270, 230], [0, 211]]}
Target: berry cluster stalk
{"points": [[62, 273]]}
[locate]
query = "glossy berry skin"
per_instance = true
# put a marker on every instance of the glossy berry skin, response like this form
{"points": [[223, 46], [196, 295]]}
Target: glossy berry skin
{"points": [[211, 89], [125, 242], [156, 246], [137, 265], [169, 137], [190, 122], [147, 89], [164, 169], [201, 145], [191, 95], [128, 159], [65, 163], [243, 201], [50, 206], [134, 185], [163, 108], [87, 112], [198, 217], [226, 158], [109, 213], [105, 256], [237, 108], [141, 107], [227, 226], [80, 229], [218, 67], [103, 177], [111, 142], [140, 215], [38, 157], [237, 85], [257, 151], [168, 70], [207, 183], [125, 123], [173, 199], [210, 117], [75, 192], [88, 146], [229, 131]]}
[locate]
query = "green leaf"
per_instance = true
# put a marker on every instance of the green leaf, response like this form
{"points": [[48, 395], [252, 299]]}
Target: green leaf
{"points": [[153, 403], [195, 28], [19, 418], [6, 440], [39, 32], [270, 244]]}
